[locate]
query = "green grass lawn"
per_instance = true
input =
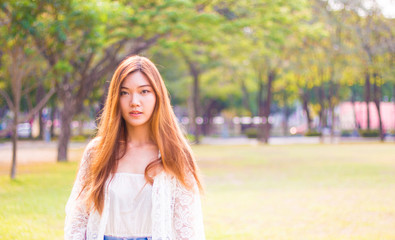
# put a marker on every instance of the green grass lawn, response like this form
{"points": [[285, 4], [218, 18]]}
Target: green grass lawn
{"points": [[344, 191]]}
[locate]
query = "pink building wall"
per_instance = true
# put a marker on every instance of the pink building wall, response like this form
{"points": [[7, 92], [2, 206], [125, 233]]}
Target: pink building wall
{"points": [[347, 121]]}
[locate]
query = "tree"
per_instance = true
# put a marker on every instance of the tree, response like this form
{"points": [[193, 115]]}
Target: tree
{"points": [[374, 38], [272, 23], [17, 65], [83, 41], [197, 49]]}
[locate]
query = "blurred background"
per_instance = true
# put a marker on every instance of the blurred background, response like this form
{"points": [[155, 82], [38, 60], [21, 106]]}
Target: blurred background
{"points": [[289, 106]]}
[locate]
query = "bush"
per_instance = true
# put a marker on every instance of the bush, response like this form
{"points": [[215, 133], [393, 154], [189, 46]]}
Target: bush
{"points": [[370, 133], [346, 133], [251, 132], [313, 133], [78, 138], [191, 138]]}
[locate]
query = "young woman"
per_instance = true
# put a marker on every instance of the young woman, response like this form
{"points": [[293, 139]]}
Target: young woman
{"points": [[138, 178]]}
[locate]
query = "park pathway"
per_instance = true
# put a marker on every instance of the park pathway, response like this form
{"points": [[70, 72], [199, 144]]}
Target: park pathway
{"points": [[37, 151], [40, 151]]}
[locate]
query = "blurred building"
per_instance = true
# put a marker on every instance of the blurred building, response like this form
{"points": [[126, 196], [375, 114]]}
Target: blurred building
{"points": [[355, 115]]}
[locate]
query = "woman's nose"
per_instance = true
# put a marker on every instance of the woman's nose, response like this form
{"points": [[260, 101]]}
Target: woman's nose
{"points": [[135, 101]]}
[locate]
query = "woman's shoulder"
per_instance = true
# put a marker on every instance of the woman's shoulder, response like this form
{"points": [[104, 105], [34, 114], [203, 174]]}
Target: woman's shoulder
{"points": [[91, 146], [171, 178], [95, 140]]}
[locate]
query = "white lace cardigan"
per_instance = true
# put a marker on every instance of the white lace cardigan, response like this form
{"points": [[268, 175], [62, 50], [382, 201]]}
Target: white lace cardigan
{"points": [[176, 211]]}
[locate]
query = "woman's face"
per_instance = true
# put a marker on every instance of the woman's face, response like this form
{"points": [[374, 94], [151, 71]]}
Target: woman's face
{"points": [[137, 99]]}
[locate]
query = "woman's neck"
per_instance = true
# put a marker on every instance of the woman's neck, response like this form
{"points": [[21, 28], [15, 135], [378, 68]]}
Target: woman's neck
{"points": [[139, 136]]}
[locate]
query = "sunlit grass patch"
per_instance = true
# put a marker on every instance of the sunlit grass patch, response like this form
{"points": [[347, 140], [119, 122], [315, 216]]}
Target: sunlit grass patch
{"points": [[344, 191], [32, 206], [300, 192]]}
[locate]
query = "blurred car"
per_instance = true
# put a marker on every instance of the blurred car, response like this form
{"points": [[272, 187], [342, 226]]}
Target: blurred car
{"points": [[24, 130], [4, 132]]}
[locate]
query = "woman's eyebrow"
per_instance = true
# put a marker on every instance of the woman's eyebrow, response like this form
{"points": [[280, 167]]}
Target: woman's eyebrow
{"points": [[147, 85], [138, 86]]}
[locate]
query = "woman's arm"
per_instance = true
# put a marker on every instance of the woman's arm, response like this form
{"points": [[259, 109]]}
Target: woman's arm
{"points": [[76, 213], [188, 219]]}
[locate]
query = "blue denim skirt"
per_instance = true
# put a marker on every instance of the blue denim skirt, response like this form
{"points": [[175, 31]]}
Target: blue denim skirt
{"points": [[125, 238]]}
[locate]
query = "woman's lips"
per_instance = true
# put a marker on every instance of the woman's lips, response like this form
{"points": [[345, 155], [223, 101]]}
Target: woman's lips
{"points": [[135, 113]]}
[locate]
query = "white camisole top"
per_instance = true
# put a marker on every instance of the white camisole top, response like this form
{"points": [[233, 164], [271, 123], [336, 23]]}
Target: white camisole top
{"points": [[130, 206]]}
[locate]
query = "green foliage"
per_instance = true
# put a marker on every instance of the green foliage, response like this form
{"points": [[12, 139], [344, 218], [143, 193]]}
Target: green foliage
{"points": [[79, 138], [313, 133], [251, 132], [62, 67], [369, 133], [190, 138], [314, 49], [346, 133]]}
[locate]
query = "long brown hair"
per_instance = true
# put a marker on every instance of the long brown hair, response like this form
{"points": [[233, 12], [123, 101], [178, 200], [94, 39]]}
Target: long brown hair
{"points": [[176, 155]]}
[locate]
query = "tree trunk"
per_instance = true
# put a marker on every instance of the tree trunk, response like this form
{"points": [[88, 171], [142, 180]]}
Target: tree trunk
{"points": [[81, 127], [377, 100], [322, 113], [267, 125], [195, 111], [52, 117], [356, 122], [17, 73], [196, 106], [195, 73], [208, 116], [377, 103], [353, 96], [40, 94], [332, 130], [14, 143], [331, 109], [306, 99], [191, 114], [333, 97], [66, 117], [285, 113], [102, 101], [285, 123], [261, 110], [321, 96], [367, 98], [41, 125]]}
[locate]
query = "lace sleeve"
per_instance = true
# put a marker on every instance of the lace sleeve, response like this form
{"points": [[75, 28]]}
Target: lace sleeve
{"points": [[188, 219], [76, 212]]}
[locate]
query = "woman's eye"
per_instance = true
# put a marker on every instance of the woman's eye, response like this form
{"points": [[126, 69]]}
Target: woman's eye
{"points": [[145, 91], [123, 93]]}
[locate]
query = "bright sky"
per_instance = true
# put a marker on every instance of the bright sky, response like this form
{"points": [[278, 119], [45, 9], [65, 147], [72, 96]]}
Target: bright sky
{"points": [[387, 6]]}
